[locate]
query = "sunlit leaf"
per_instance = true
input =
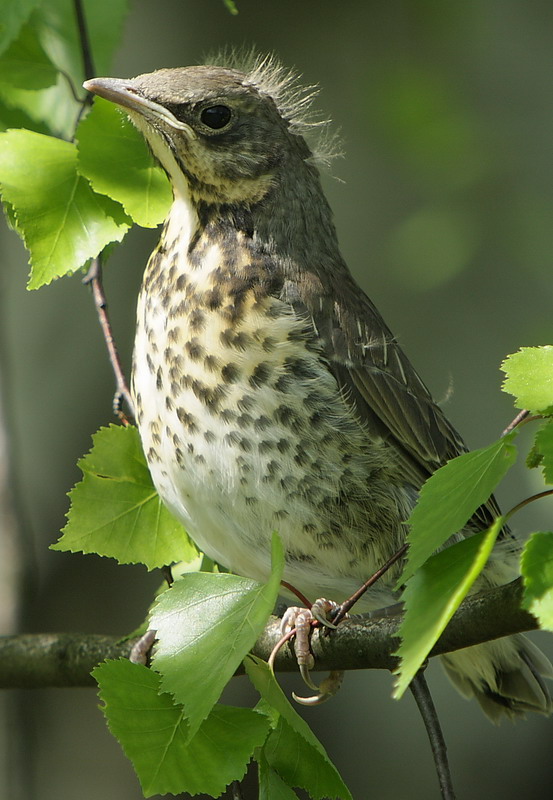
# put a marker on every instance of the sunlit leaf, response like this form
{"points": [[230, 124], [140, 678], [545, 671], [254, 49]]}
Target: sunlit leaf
{"points": [[116, 511], [16, 118], [61, 220], [530, 377], [450, 497], [433, 595], [206, 623], [115, 159], [537, 573], [152, 731], [55, 25]]}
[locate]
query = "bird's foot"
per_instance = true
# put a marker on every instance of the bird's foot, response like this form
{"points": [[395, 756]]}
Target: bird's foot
{"points": [[297, 624]]}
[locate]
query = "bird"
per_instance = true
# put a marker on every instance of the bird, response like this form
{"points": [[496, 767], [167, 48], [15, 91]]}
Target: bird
{"points": [[269, 392]]}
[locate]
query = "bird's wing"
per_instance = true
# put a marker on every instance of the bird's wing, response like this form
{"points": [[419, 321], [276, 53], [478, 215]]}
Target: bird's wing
{"points": [[378, 379]]}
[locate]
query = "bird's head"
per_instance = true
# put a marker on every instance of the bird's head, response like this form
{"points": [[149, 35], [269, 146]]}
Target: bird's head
{"points": [[226, 133]]}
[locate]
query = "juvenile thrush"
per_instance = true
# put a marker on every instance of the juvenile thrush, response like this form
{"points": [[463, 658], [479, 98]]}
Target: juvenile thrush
{"points": [[269, 392]]}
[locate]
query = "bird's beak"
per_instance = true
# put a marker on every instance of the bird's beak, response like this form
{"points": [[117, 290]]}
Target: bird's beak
{"points": [[124, 94]]}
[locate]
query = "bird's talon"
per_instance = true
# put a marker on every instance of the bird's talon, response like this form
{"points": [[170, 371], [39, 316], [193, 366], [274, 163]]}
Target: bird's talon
{"points": [[324, 621], [323, 609], [306, 676], [328, 688], [314, 700]]}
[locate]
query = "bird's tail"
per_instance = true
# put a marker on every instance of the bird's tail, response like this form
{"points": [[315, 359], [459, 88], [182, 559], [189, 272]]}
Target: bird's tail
{"points": [[505, 675]]}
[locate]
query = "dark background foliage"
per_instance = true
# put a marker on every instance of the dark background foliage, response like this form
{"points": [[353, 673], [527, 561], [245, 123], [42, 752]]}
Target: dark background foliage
{"points": [[444, 211]]}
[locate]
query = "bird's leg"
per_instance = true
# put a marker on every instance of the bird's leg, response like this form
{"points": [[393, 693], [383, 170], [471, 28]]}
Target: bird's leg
{"points": [[297, 624], [303, 620]]}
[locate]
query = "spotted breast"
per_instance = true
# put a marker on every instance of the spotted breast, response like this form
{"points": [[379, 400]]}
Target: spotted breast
{"points": [[244, 427]]}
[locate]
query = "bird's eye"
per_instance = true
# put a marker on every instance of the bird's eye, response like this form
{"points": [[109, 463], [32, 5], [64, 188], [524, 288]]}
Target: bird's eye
{"points": [[216, 117]]}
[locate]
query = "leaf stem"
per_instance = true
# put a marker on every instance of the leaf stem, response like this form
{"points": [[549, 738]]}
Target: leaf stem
{"points": [[348, 604], [527, 500], [521, 418]]}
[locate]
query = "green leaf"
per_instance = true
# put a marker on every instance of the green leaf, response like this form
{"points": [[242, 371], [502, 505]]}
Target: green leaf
{"points": [[16, 118], [53, 108], [271, 785], [206, 624], [55, 25], [14, 15], [153, 732], [115, 159], [433, 595], [62, 222], [530, 377], [299, 765], [25, 64], [231, 7], [537, 573], [543, 449], [116, 511], [292, 749], [60, 37], [534, 457], [450, 497]]}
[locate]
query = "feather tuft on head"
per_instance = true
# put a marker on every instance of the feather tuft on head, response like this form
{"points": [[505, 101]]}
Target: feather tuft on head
{"points": [[293, 100]]}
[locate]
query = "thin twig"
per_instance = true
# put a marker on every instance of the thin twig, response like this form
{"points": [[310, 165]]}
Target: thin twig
{"points": [[345, 607], [84, 39], [301, 597], [88, 62], [421, 693], [528, 500], [94, 278], [520, 417], [94, 275]]}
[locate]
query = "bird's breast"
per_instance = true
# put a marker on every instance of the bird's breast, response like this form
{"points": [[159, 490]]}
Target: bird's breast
{"points": [[242, 423]]}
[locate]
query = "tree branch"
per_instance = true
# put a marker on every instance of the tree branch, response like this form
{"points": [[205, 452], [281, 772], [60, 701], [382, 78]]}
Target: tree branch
{"points": [[41, 660], [44, 660]]}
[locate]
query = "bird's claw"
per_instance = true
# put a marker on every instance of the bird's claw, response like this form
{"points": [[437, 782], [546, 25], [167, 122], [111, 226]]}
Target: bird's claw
{"points": [[329, 686], [298, 623], [321, 611], [306, 675]]}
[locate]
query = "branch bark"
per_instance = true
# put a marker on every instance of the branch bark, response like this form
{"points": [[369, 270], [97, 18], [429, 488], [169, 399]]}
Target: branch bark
{"points": [[65, 660]]}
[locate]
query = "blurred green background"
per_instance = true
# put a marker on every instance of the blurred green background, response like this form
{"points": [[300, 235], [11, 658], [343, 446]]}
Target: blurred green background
{"points": [[444, 208]]}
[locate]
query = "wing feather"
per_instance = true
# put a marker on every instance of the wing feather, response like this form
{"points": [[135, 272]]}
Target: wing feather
{"points": [[375, 375]]}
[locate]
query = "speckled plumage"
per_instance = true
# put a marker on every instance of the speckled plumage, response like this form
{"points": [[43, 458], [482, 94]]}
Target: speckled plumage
{"points": [[252, 420], [270, 394]]}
